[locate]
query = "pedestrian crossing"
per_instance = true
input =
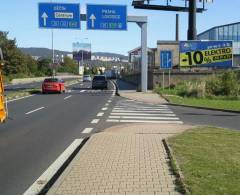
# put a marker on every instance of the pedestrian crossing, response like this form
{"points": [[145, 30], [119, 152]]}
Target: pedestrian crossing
{"points": [[90, 91], [127, 111]]}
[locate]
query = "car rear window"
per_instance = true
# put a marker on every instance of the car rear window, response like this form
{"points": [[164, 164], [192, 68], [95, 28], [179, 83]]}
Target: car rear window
{"points": [[51, 80], [99, 78]]}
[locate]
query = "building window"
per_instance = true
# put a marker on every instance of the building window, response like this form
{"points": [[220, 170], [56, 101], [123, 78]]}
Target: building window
{"points": [[220, 33], [230, 32], [225, 33], [235, 32], [238, 31]]}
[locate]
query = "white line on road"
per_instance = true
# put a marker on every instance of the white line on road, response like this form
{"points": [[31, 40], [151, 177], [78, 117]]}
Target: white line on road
{"points": [[140, 111], [81, 84], [95, 121], [82, 91], [109, 101], [67, 97], [20, 98], [144, 117], [105, 108], [142, 114], [100, 114], [35, 110], [106, 104], [41, 182], [87, 130], [145, 121]]}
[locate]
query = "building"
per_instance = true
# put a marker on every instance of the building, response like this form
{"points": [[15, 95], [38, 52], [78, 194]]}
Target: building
{"points": [[225, 32], [134, 58]]}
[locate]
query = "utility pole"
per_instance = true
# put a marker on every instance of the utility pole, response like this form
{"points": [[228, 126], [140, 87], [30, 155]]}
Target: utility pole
{"points": [[192, 31], [177, 27]]}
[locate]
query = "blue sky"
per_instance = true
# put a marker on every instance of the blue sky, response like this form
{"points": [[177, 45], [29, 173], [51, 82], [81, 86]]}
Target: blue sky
{"points": [[19, 18]]}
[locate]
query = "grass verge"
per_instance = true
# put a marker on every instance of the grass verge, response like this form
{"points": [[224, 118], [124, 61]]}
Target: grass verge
{"points": [[209, 159], [17, 94], [205, 103]]}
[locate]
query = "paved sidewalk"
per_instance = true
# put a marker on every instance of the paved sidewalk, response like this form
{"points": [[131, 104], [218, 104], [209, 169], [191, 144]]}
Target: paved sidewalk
{"points": [[148, 97], [122, 160]]}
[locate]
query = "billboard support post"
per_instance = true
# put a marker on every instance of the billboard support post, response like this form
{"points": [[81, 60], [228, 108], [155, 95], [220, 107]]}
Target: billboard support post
{"points": [[163, 80], [169, 78]]}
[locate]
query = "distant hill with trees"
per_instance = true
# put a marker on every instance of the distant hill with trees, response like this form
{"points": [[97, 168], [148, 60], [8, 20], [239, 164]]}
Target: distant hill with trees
{"points": [[47, 53]]}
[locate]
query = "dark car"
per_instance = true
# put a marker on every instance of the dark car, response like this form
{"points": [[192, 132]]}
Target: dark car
{"points": [[53, 85], [99, 82]]}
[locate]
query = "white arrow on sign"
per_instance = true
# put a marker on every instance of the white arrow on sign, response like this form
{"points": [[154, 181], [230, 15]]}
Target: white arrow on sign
{"points": [[44, 16], [92, 18]]}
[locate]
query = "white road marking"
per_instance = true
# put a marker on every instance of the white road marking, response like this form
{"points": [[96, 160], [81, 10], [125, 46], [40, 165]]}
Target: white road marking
{"points": [[95, 121], [106, 104], [67, 97], [100, 114], [81, 84], [145, 121], [140, 111], [142, 114], [20, 98], [82, 91], [35, 110], [109, 101], [87, 130], [146, 107], [144, 117], [105, 108], [41, 182]]}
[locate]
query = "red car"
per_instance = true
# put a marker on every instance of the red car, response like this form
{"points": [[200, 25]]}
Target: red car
{"points": [[53, 85]]}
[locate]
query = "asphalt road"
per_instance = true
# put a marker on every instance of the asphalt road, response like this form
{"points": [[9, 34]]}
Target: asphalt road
{"points": [[40, 128]]}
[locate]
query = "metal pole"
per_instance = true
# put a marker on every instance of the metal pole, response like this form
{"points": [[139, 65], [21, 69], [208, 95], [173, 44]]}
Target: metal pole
{"points": [[144, 68], [169, 78], [192, 31], [53, 69], [163, 80], [177, 27]]}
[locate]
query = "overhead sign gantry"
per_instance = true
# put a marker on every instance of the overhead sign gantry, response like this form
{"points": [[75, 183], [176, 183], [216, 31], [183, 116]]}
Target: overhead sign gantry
{"points": [[98, 17]]}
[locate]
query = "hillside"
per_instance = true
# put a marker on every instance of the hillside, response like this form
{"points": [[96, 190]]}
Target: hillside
{"points": [[47, 53]]}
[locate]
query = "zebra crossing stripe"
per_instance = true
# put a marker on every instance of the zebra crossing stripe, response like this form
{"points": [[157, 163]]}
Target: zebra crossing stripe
{"points": [[141, 114], [139, 111], [144, 121], [143, 117]]}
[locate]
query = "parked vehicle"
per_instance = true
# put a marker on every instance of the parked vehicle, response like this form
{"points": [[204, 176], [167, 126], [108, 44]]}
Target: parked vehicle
{"points": [[87, 78], [99, 82], [53, 85]]}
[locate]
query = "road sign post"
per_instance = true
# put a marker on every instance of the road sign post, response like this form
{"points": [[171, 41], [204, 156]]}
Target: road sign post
{"points": [[59, 15], [106, 17], [166, 64]]}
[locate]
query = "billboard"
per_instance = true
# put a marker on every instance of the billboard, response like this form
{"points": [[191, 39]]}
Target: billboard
{"points": [[81, 51], [217, 54]]}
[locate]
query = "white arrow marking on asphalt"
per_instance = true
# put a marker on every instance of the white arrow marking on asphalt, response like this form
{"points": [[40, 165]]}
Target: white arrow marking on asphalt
{"points": [[92, 18], [44, 16]]}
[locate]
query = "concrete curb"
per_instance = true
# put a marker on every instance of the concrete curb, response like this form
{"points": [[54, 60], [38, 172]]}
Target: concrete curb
{"points": [[175, 169], [199, 107], [204, 108]]}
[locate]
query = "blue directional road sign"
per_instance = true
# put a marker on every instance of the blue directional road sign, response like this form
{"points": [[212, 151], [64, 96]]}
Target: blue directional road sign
{"points": [[59, 15], [166, 59], [106, 17]]}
